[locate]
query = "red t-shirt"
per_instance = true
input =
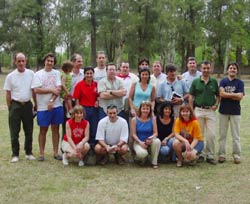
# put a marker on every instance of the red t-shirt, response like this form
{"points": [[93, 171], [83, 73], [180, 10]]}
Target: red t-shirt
{"points": [[77, 130], [85, 93]]}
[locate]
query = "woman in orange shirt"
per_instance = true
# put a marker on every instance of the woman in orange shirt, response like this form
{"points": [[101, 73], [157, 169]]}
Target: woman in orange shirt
{"points": [[188, 139]]}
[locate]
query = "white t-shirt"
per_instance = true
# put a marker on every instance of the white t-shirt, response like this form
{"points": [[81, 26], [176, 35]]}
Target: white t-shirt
{"points": [[127, 83], [156, 81], [188, 78], [99, 74], [75, 79], [112, 133], [44, 79], [19, 84]]}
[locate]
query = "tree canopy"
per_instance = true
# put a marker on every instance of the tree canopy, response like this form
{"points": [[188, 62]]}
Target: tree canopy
{"points": [[165, 30]]}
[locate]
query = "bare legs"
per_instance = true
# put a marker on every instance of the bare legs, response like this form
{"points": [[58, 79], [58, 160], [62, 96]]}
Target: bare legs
{"points": [[55, 139]]}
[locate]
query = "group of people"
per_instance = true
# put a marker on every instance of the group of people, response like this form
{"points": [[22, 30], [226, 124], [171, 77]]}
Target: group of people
{"points": [[109, 110]]}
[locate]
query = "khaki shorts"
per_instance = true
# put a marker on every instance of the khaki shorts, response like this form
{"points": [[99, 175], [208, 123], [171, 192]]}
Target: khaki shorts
{"points": [[67, 148]]}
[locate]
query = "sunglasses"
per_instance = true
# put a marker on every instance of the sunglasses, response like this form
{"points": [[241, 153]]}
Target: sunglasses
{"points": [[146, 103]]}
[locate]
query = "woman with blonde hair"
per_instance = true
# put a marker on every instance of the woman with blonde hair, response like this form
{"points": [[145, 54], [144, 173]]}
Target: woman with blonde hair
{"points": [[75, 141], [144, 133]]}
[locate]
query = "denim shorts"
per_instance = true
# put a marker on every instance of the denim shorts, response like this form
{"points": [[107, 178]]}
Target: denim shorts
{"points": [[199, 146], [53, 117]]}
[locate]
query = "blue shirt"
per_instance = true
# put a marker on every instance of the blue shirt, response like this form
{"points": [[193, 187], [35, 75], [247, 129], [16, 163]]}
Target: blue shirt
{"points": [[166, 89], [144, 129], [227, 105], [140, 95]]}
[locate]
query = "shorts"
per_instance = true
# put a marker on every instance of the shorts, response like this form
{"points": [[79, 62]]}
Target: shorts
{"points": [[53, 117], [199, 146], [67, 148]]}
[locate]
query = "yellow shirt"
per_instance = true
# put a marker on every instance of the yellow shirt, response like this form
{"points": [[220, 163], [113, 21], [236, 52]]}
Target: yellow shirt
{"points": [[189, 130]]}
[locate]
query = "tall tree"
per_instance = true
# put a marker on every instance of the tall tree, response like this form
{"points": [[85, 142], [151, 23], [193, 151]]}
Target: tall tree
{"points": [[238, 18], [217, 29], [30, 28], [73, 25], [189, 28], [93, 31]]}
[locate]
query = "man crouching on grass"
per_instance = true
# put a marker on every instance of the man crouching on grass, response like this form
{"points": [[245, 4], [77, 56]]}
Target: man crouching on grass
{"points": [[112, 136]]}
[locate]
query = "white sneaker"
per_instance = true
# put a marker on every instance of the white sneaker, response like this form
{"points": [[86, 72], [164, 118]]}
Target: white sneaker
{"points": [[68, 115], [14, 159], [81, 163], [65, 160], [179, 163], [30, 157]]}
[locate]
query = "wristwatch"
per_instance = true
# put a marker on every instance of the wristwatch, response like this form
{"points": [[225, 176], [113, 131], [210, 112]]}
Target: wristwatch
{"points": [[51, 100]]}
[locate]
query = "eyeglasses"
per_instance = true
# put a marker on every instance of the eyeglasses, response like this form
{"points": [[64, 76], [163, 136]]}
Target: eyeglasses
{"points": [[172, 88]]}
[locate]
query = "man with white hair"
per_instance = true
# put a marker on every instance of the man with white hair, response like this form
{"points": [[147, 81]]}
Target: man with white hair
{"points": [[18, 98]]}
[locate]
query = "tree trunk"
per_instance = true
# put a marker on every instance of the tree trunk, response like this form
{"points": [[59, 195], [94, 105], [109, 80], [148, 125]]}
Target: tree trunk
{"points": [[182, 53], [132, 61], [212, 59], [40, 35], [190, 53], [120, 49], [172, 52], [226, 57], [220, 58], [248, 57], [238, 55], [93, 32]]}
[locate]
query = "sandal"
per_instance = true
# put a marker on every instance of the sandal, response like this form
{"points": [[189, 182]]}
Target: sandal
{"points": [[41, 158], [58, 157]]}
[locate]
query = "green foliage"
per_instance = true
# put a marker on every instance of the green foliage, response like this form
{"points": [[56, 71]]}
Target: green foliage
{"points": [[127, 30], [73, 24]]}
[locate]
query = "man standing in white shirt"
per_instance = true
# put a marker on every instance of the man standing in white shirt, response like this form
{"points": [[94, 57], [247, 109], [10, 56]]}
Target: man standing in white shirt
{"points": [[100, 70], [128, 79], [77, 72], [18, 95], [156, 79], [47, 86], [158, 76], [192, 72]]}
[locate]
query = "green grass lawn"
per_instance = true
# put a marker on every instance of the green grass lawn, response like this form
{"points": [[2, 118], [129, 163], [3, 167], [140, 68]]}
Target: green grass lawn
{"points": [[49, 182]]}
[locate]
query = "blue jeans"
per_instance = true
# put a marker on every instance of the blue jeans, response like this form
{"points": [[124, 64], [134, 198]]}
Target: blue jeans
{"points": [[92, 118], [199, 147], [168, 149]]}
